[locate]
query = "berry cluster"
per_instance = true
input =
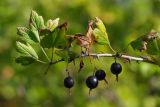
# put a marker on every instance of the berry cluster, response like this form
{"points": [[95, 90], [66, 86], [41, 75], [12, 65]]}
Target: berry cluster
{"points": [[92, 80]]}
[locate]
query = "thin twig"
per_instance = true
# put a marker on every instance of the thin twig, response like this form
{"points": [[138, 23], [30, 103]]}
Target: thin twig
{"points": [[121, 56]]}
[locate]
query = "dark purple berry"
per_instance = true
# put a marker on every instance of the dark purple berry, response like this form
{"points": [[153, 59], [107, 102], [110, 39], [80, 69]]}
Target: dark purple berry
{"points": [[68, 82], [100, 74], [92, 82], [116, 69]]}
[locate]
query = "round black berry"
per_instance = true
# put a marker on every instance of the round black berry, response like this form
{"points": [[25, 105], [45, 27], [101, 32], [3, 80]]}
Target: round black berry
{"points": [[116, 68], [68, 82], [92, 82], [100, 74]]}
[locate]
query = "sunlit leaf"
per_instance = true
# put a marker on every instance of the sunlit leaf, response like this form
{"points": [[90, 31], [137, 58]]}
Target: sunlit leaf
{"points": [[24, 33], [100, 25], [36, 21], [52, 24], [30, 36], [34, 34], [25, 60], [26, 50], [100, 37], [100, 33]]}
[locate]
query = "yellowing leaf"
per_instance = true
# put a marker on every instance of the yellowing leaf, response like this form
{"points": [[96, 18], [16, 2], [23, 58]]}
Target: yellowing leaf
{"points": [[52, 24], [100, 37], [100, 25]]}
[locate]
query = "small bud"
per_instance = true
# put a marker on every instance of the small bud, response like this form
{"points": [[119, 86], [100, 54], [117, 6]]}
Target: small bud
{"points": [[81, 65]]}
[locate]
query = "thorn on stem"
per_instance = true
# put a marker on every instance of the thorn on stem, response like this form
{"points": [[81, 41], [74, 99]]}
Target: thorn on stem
{"points": [[106, 81], [69, 91], [117, 77], [81, 65], [89, 93]]}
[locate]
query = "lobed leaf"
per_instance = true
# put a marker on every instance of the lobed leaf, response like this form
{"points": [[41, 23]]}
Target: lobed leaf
{"points": [[34, 34], [150, 43], [52, 24], [57, 38], [26, 50], [137, 44], [100, 33], [30, 36], [61, 41], [25, 60], [24, 33], [36, 21], [100, 37], [100, 25], [153, 48], [67, 55]]}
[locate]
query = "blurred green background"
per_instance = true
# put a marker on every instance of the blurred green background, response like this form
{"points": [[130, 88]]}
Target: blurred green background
{"points": [[139, 84]]}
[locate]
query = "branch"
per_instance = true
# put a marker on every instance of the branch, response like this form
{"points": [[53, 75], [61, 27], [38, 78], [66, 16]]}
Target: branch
{"points": [[121, 56]]}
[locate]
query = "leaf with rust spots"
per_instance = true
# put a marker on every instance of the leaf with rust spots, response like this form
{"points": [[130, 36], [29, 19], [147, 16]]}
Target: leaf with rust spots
{"points": [[85, 40], [82, 40], [149, 43]]}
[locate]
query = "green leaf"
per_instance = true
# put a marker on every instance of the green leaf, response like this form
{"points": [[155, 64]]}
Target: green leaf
{"points": [[27, 35], [34, 35], [67, 55], [25, 60], [153, 48], [36, 21], [57, 38], [61, 40], [150, 43], [52, 24], [100, 34], [100, 25], [23, 32], [63, 54], [100, 37], [136, 44], [72, 55], [46, 41], [26, 50]]}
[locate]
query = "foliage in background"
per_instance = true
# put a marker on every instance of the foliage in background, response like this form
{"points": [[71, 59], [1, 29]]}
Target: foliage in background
{"points": [[125, 21]]}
